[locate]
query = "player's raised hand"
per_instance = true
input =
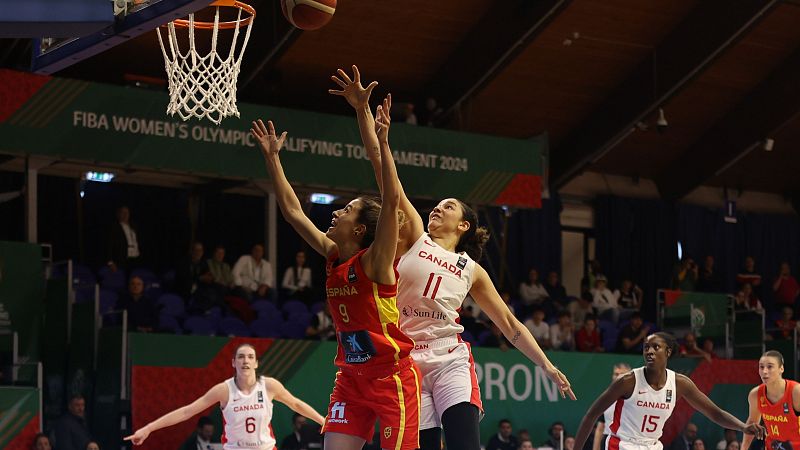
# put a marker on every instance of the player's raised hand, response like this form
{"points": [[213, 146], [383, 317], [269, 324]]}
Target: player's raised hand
{"points": [[352, 90], [139, 436], [383, 119], [755, 429], [562, 382], [269, 142]]}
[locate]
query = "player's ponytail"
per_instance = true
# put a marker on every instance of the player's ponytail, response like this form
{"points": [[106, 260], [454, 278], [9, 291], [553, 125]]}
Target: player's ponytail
{"points": [[474, 239]]}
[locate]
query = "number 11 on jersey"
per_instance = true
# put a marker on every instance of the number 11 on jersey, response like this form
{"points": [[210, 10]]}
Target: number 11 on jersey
{"points": [[428, 286]]}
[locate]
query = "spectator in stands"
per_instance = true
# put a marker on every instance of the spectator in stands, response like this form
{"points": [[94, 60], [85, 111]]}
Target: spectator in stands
{"points": [[785, 287], [733, 445], [556, 291], [786, 324], [592, 271], [252, 274], [587, 339], [194, 281], [70, 430], [123, 246], [220, 270], [698, 444], [92, 445], [708, 347], [504, 439], [569, 443], [431, 113], [562, 333], [605, 301], [749, 275], [526, 444], [632, 336], [532, 293], [496, 338], [469, 322], [142, 310], [523, 435], [753, 302], [690, 349], [297, 279], [685, 440], [539, 328], [580, 309], [554, 436], [321, 326], [728, 437], [408, 114], [293, 441], [629, 296], [201, 438], [41, 442], [709, 279], [684, 275]]}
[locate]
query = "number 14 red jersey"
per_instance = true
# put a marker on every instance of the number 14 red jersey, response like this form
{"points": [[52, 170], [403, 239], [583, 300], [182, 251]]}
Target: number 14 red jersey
{"points": [[780, 419]]}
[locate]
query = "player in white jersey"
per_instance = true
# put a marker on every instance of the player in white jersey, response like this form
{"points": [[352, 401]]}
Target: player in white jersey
{"points": [[246, 404], [644, 398], [601, 430], [438, 269]]}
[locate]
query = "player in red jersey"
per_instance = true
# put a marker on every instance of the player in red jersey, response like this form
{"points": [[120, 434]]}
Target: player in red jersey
{"points": [[777, 402], [645, 398], [377, 378]]}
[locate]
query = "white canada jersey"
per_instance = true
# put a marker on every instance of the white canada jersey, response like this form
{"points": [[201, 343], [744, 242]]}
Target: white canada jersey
{"points": [[247, 418], [608, 418], [640, 419], [432, 285]]}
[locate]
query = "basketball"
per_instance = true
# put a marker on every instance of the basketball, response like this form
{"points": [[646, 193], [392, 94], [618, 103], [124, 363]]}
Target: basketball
{"points": [[308, 14]]}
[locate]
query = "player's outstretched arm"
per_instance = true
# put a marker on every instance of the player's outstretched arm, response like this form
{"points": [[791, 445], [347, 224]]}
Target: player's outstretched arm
{"points": [[490, 302], [271, 145], [358, 97], [281, 394], [753, 417], [701, 402], [379, 258], [622, 387], [217, 394]]}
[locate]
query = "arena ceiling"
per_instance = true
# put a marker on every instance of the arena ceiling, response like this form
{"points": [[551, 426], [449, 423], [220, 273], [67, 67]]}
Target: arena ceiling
{"points": [[592, 74]]}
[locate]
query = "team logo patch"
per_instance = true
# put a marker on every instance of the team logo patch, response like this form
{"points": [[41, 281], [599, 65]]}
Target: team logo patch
{"points": [[785, 408], [669, 395], [387, 432], [260, 397], [357, 345], [351, 274], [462, 262]]}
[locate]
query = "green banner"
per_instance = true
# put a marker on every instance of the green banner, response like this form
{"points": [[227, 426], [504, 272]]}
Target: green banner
{"points": [[123, 127], [22, 294], [19, 417], [707, 314]]}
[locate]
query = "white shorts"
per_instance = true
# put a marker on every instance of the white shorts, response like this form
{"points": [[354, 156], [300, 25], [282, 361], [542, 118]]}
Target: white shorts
{"points": [[614, 443], [448, 378]]}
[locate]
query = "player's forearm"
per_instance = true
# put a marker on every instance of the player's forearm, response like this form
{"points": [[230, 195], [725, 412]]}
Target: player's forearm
{"points": [[727, 420], [304, 409], [747, 439], [366, 126], [287, 199], [521, 338]]}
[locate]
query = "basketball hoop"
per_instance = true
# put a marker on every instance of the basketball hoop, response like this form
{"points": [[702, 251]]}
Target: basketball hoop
{"points": [[205, 86]]}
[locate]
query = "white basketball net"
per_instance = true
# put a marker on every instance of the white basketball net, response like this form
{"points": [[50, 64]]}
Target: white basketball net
{"points": [[203, 86]]}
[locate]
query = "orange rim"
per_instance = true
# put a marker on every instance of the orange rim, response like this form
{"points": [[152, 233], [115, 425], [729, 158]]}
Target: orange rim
{"points": [[222, 25]]}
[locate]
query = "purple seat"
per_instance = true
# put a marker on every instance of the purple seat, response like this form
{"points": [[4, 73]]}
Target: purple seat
{"points": [[266, 327], [104, 271], [317, 307], [293, 330], [231, 326], [169, 323], [172, 305], [199, 326], [294, 306], [265, 308], [300, 317]]}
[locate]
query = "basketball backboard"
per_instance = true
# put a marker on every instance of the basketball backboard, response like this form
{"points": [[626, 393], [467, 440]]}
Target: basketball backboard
{"points": [[78, 29]]}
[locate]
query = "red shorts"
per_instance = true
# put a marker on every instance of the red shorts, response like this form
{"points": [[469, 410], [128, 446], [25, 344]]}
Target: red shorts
{"points": [[357, 400]]}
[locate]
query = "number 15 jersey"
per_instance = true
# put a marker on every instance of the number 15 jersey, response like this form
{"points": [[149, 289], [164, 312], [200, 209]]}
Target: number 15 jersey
{"points": [[433, 284], [641, 417]]}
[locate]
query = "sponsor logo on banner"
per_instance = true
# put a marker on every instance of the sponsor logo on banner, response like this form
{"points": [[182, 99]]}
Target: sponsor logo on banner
{"points": [[337, 413]]}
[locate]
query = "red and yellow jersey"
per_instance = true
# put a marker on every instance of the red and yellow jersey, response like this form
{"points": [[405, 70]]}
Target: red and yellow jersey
{"points": [[780, 419], [365, 316]]}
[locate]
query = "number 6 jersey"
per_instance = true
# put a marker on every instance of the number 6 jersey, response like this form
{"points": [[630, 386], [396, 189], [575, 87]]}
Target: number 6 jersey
{"points": [[640, 418], [433, 283], [247, 418]]}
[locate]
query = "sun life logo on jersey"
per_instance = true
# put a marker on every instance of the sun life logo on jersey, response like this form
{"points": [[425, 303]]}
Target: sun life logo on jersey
{"points": [[337, 413]]}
